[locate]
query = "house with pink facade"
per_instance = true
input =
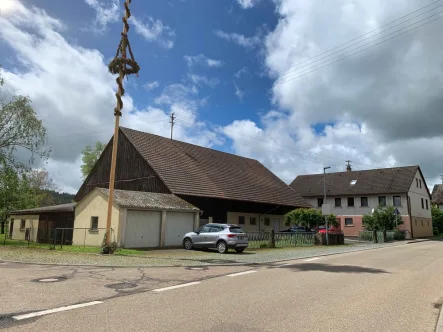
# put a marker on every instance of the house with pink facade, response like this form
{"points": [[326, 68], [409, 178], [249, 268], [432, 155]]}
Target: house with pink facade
{"points": [[352, 194]]}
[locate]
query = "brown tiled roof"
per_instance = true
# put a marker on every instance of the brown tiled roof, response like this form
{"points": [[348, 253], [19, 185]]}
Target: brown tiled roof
{"points": [[189, 169], [437, 194], [374, 181], [44, 209], [141, 199]]}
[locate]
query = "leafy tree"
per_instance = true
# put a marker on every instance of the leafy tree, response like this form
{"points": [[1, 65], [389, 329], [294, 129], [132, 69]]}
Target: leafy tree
{"points": [[20, 129], [383, 218], [308, 218], [437, 220], [90, 157], [41, 183]]}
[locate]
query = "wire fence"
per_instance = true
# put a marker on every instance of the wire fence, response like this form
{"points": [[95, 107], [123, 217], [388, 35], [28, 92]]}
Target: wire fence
{"points": [[395, 235], [280, 240]]}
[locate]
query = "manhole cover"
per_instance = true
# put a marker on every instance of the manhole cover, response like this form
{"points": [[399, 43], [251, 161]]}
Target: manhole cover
{"points": [[203, 268], [122, 285], [51, 279]]}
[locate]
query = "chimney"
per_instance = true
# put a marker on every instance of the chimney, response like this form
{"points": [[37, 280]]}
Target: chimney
{"points": [[348, 166]]}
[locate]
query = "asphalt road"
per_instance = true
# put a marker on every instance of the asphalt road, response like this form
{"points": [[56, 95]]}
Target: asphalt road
{"points": [[391, 289]]}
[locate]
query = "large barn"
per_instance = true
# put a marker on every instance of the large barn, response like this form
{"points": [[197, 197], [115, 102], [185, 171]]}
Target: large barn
{"points": [[223, 187]]}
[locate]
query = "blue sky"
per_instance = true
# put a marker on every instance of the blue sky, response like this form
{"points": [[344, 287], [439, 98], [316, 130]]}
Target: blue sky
{"points": [[242, 76]]}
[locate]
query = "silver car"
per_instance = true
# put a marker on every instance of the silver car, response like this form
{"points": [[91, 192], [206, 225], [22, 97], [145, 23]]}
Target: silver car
{"points": [[219, 236]]}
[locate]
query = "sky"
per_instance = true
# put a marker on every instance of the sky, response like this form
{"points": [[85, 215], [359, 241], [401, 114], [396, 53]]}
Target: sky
{"points": [[296, 84]]}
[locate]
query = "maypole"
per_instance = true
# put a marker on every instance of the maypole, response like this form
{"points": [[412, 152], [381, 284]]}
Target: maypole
{"points": [[122, 66]]}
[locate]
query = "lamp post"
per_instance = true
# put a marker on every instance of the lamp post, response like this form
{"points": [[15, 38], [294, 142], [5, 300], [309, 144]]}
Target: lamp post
{"points": [[324, 202]]}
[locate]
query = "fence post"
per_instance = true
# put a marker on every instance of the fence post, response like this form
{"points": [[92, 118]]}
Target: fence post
{"points": [[374, 236], [385, 236], [272, 238], [84, 239], [63, 235]]}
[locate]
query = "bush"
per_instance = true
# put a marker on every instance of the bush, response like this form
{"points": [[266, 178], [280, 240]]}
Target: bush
{"points": [[399, 236], [263, 245], [108, 249]]}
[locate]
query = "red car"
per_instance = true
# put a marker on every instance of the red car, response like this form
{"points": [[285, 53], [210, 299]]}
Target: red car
{"points": [[331, 230]]}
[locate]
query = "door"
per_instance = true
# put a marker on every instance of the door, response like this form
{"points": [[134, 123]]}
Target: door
{"points": [[11, 228], [142, 229], [214, 235], [200, 239], [276, 225], [177, 225]]}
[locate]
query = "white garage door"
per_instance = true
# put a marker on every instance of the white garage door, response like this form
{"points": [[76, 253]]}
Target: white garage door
{"points": [[177, 225], [142, 229]]}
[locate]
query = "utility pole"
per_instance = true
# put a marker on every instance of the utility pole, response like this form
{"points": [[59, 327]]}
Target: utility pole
{"points": [[172, 122], [348, 166], [441, 176], [324, 202], [122, 66]]}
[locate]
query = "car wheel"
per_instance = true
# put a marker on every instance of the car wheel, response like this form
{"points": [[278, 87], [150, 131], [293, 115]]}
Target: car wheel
{"points": [[239, 250], [222, 247], [187, 244]]}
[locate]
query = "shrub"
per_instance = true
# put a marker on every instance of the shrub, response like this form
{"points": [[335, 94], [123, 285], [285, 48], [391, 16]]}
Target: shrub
{"points": [[108, 249]]}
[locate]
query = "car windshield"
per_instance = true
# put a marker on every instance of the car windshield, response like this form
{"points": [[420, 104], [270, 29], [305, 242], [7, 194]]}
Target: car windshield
{"points": [[236, 230]]}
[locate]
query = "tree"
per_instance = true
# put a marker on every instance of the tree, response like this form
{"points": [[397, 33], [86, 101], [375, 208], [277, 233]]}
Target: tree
{"points": [[20, 129], [437, 220], [90, 157], [308, 218], [383, 218], [41, 184]]}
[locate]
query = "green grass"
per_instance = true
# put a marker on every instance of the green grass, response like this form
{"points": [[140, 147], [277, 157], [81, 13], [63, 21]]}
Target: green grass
{"points": [[65, 248]]}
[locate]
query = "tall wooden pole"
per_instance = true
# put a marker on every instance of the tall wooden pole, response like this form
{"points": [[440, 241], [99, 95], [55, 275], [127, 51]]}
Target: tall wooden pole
{"points": [[117, 113]]}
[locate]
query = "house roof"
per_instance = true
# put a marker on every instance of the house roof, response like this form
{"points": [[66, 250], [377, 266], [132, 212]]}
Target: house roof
{"points": [[193, 170], [374, 181], [69, 207], [145, 200], [437, 194]]}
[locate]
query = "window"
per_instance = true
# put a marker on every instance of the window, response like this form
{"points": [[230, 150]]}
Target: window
{"points": [[364, 201], [422, 203], [253, 221], [338, 202], [349, 222], [381, 200], [416, 182], [204, 229], [236, 230], [350, 201], [427, 205], [94, 224], [267, 221], [241, 220], [215, 229], [319, 202], [419, 182], [22, 224], [396, 200], [353, 182]]}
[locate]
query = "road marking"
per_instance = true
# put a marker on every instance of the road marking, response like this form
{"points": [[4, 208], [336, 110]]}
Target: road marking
{"points": [[51, 311], [311, 259], [287, 264], [176, 286], [240, 273]]}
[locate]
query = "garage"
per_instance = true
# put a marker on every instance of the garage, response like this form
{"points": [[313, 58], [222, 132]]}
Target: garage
{"points": [[142, 229], [177, 225]]}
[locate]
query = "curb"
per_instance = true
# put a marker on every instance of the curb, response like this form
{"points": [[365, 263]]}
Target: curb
{"points": [[439, 327], [210, 265]]}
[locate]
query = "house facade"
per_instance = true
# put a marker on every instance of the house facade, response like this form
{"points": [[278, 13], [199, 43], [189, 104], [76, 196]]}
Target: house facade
{"points": [[437, 196], [353, 194], [222, 186]]}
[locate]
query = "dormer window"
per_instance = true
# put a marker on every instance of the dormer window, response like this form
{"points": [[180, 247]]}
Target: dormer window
{"points": [[353, 182]]}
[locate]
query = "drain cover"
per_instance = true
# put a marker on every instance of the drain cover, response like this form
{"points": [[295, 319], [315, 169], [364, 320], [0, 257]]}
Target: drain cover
{"points": [[50, 279], [204, 268]]}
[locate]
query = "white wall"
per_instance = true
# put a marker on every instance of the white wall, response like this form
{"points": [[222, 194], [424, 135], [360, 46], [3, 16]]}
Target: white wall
{"points": [[416, 194], [359, 210], [247, 227], [31, 222]]}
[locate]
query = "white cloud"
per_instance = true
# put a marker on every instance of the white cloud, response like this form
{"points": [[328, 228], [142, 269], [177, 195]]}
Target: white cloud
{"points": [[246, 4], [239, 93], [73, 93], [151, 85], [248, 42], [241, 72], [202, 60], [203, 80], [154, 30], [106, 12]]}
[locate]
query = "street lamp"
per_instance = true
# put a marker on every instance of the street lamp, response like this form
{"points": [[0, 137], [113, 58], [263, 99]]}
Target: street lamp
{"points": [[324, 201]]}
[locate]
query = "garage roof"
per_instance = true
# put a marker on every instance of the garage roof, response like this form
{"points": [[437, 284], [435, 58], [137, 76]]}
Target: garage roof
{"points": [[146, 200], [69, 207]]}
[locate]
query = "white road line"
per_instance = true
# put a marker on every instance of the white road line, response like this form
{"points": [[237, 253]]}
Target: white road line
{"points": [[176, 286], [287, 264], [311, 259], [240, 273], [51, 311]]}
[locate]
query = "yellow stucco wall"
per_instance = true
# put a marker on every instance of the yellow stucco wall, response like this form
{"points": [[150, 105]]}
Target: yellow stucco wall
{"points": [[421, 227], [94, 205], [31, 222], [247, 227]]}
